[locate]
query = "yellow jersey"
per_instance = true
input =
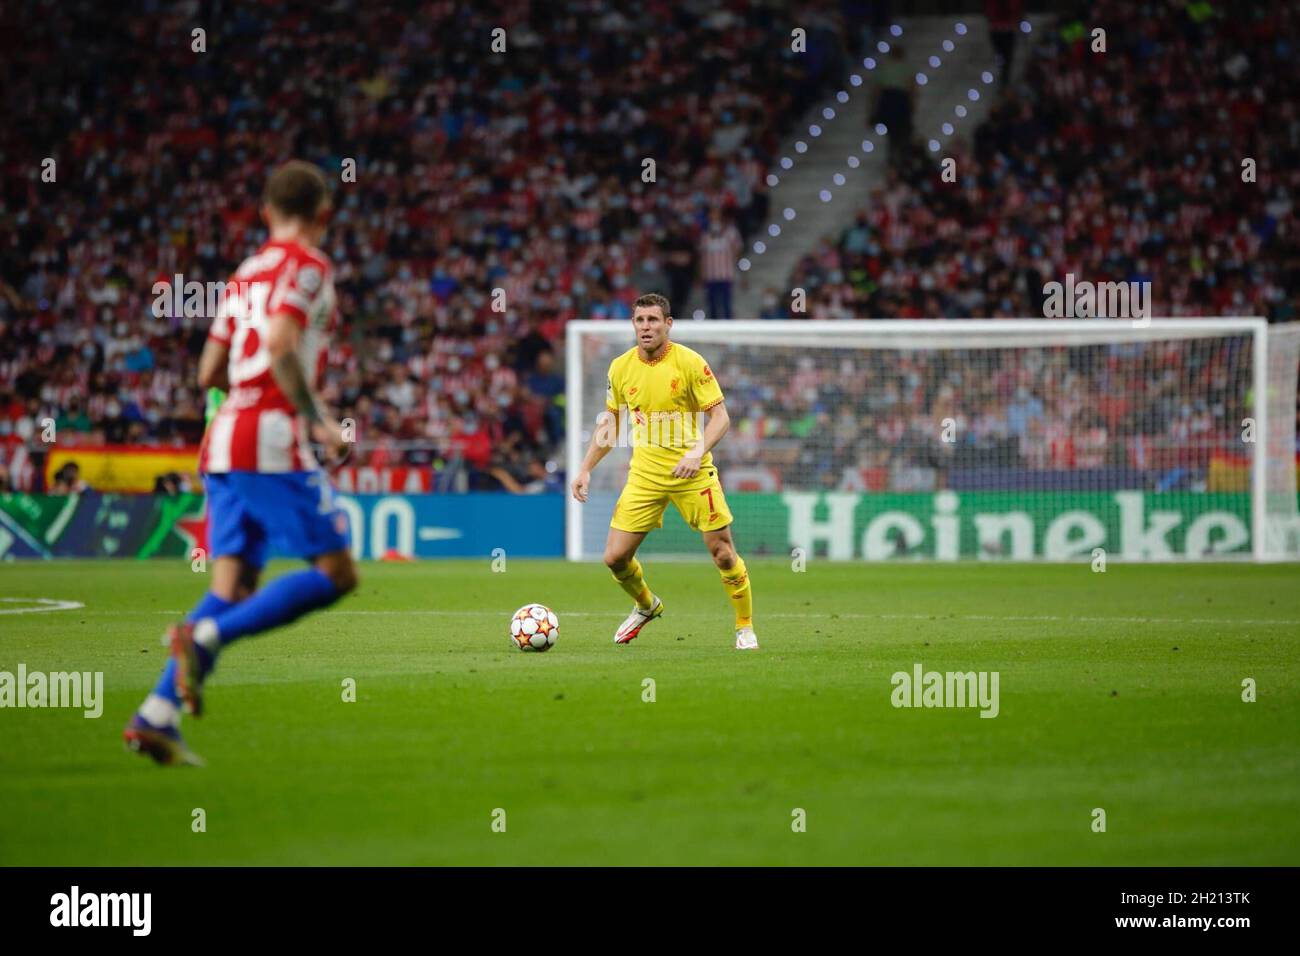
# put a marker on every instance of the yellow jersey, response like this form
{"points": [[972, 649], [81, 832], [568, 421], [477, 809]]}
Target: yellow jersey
{"points": [[659, 406]]}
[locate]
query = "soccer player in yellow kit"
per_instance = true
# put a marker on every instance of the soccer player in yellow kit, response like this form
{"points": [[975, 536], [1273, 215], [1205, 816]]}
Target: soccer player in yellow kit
{"points": [[661, 388]]}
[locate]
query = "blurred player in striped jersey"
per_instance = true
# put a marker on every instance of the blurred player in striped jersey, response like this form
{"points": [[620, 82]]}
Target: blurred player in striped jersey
{"points": [[265, 489]]}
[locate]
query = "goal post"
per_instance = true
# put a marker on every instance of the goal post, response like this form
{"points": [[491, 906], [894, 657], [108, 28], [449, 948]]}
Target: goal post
{"points": [[1012, 439]]}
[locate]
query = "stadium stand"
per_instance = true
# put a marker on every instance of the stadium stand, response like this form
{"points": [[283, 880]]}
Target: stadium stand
{"points": [[468, 179], [1066, 175]]}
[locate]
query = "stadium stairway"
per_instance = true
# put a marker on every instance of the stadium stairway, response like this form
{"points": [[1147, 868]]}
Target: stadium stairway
{"points": [[842, 137]]}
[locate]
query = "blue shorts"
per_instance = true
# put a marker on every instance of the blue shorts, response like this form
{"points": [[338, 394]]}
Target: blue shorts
{"points": [[293, 512]]}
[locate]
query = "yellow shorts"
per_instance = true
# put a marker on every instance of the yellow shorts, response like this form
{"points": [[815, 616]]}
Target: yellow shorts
{"points": [[700, 502]]}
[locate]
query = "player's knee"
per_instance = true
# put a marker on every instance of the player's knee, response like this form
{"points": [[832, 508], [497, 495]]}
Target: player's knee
{"points": [[616, 561], [346, 578], [724, 555], [342, 572]]}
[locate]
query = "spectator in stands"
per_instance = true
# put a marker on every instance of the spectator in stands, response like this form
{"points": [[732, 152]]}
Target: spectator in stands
{"points": [[1004, 18], [895, 101], [170, 484], [67, 480], [719, 252], [679, 253]]}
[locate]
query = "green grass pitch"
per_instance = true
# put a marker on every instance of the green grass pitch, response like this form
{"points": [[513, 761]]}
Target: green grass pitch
{"points": [[1120, 691]]}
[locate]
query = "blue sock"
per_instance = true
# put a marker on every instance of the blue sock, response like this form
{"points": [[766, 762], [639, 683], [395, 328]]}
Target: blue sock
{"points": [[284, 600], [209, 606]]}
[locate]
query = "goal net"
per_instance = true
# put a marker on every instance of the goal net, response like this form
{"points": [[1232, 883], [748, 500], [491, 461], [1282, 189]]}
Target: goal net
{"points": [[1054, 440]]}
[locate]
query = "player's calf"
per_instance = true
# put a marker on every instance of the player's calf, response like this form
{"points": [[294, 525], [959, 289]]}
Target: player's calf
{"points": [[192, 665], [735, 580], [195, 646]]}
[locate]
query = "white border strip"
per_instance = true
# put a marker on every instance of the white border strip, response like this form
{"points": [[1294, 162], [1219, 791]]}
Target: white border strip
{"points": [[573, 375], [723, 329]]}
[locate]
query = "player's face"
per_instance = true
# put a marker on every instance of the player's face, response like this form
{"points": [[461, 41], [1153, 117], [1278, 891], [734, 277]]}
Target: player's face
{"points": [[651, 327]]}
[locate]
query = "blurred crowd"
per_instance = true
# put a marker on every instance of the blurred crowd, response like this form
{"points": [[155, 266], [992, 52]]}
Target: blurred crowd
{"points": [[849, 420], [475, 169]]}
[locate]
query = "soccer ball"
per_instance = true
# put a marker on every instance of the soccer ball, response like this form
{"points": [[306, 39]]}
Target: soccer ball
{"points": [[534, 628]]}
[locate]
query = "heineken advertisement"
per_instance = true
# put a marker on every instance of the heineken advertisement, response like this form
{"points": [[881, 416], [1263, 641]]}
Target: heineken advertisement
{"points": [[944, 525], [949, 526], [94, 525]]}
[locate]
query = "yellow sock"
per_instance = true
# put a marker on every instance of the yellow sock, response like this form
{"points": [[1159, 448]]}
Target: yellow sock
{"points": [[736, 581], [632, 581]]}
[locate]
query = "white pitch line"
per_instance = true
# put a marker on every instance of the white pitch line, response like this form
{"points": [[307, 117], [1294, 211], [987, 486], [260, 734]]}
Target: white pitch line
{"points": [[815, 615], [46, 604], [938, 616]]}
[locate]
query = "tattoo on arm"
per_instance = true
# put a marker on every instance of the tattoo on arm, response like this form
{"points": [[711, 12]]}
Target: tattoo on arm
{"points": [[289, 375]]}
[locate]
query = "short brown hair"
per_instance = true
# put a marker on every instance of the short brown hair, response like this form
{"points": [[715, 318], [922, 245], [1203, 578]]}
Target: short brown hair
{"points": [[650, 300], [297, 189]]}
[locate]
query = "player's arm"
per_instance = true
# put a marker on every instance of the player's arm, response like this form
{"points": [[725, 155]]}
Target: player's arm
{"points": [[603, 439], [214, 369], [282, 341], [601, 444], [706, 395], [719, 422]]}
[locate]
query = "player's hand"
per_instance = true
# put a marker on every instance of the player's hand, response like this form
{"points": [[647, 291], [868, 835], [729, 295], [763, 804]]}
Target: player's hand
{"points": [[329, 434], [688, 467], [581, 484]]}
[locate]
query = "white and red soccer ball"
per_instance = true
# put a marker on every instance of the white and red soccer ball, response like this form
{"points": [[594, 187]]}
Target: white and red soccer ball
{"points": [[534, 628]]}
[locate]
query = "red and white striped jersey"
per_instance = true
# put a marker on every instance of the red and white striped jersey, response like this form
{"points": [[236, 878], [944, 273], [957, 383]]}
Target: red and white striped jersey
{"points": [[718, 254], [257, 427]]}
